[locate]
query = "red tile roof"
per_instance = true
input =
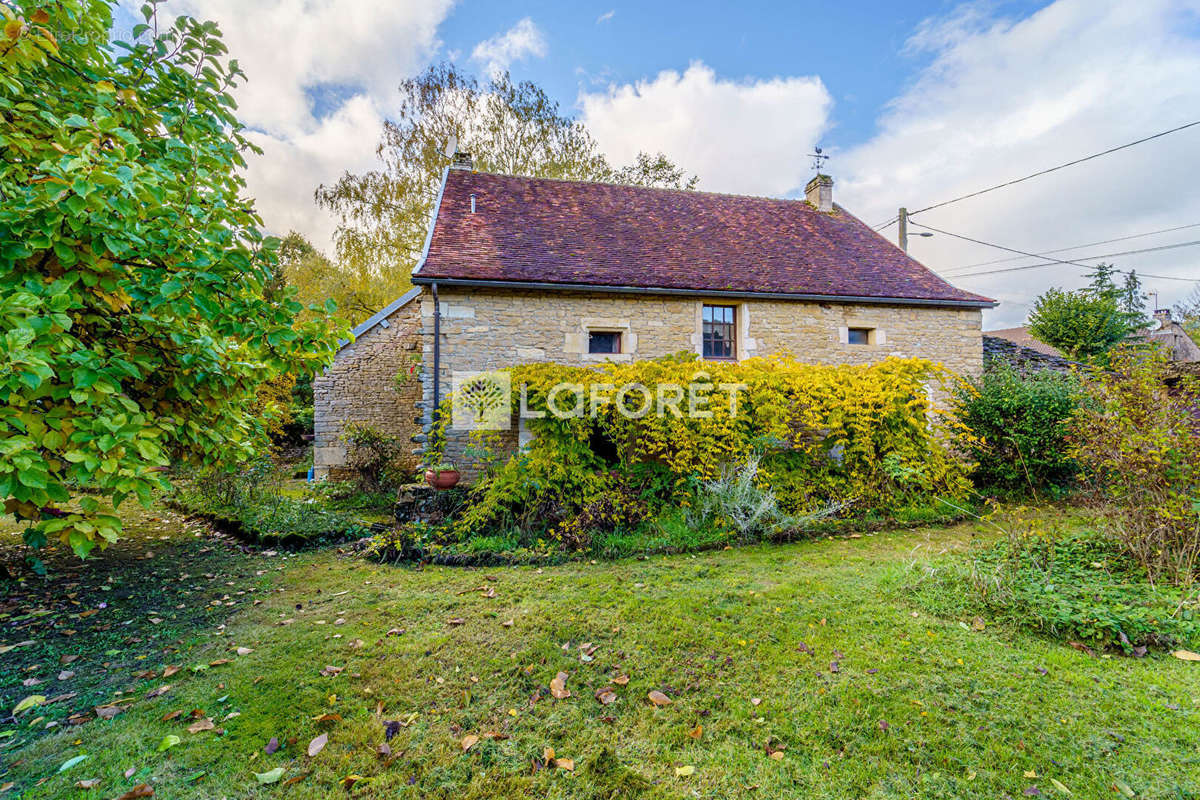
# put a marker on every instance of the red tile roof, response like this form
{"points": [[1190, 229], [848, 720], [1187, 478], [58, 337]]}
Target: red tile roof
{"points": [[537, 230]]}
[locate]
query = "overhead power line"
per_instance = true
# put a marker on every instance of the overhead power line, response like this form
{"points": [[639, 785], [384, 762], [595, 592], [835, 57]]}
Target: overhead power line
{"points": [[1045, 253], [1055, 169], [1054, 261]]}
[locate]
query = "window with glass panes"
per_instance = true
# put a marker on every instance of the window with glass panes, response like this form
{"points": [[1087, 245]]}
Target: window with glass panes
{"points": [[718, 333], [604, 342]]}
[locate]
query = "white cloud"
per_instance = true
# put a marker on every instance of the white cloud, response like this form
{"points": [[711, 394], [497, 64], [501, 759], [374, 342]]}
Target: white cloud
{"points": [[748, 136], [606, 16], [1003, 99], [360, 50], [517, 43]]}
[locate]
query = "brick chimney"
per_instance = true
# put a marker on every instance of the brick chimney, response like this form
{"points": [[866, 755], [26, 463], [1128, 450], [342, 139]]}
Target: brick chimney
{"points": [[462, 161], [1163, 315], [819, 193]]}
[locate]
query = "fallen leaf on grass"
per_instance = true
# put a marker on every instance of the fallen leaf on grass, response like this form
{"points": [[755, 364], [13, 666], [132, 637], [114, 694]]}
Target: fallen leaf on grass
{"points": [[607, 695], [171, 669], [67, 659], [168, 741], [1124, 788], [108, 712], [172, 715], [331, 671], [384, 750], [70, 762], [141, 790], [558, 686], [270, 776], [1083, 648], [658, 698], [244, 651], [565, 763], [166, 687], [205, 724], [455, 621], [683, 772], [220, 661], [90, 783], [272, 745], [1186, 655], [32, 701], [508, 623], [317, 744], [696, 732], [1059, 786], [621, 680], [4, 787], [469, 741], [754, 701], [319, 718], [66, 675], [396, 632]]}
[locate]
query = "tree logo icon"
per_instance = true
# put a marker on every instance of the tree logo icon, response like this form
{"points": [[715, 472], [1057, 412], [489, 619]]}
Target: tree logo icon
{"points": [[482, 401]]}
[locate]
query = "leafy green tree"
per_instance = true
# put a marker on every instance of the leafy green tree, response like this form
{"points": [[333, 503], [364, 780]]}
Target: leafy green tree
{"points": [[354, 288], [1133, 302], [507, 127], [1082, 324], [136, 304]]}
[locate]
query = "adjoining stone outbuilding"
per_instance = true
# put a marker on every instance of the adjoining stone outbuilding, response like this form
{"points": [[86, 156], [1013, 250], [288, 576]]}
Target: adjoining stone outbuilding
{"points": [[519, 270]]}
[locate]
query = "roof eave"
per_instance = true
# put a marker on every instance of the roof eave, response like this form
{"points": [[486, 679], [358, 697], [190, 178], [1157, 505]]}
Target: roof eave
{"points": [[659, 290]]}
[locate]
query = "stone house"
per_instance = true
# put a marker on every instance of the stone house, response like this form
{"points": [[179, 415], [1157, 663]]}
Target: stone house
{"points": [[521, 269]]}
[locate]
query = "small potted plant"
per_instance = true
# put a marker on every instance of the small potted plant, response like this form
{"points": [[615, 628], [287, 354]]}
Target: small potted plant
{"points": [[442, 476]]}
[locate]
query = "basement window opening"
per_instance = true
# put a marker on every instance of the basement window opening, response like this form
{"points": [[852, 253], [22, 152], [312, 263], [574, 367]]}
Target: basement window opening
{"points": [[604, 342], [859, 335]]}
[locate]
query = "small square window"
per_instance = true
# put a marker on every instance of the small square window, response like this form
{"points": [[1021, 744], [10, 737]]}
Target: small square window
{"points": [[604, 342], [858, 336]]}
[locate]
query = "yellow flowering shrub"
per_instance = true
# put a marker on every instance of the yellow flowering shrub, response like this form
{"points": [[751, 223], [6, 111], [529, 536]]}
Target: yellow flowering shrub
{"points": [[641, 435]]}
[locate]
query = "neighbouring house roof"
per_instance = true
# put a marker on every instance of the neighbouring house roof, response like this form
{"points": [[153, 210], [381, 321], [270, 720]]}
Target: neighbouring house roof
{"points": [[998, 348], [542, 233], [1174, 338], [1022, 337]]}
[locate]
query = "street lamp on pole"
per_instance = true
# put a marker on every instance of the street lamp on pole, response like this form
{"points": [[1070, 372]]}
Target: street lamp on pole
{"points": [[902, 218]]}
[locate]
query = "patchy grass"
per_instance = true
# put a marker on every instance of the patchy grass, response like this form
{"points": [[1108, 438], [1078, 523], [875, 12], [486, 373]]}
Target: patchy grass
{"points": [[881, 701]]}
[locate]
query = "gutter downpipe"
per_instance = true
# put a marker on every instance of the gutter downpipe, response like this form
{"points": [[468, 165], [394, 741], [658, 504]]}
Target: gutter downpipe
{"points": [[437, 355]]}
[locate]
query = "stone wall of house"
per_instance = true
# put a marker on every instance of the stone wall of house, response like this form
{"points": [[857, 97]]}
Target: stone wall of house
{"points": [[360, 386], [487, 329]]}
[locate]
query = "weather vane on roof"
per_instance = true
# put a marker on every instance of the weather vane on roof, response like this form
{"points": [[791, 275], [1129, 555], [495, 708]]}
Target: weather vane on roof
{"points": [[819, 159]]}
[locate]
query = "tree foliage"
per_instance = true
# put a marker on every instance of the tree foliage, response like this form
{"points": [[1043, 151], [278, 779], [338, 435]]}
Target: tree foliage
{"points": [[1189, 313], [138, 301], [1082, 325], [507, 127]]}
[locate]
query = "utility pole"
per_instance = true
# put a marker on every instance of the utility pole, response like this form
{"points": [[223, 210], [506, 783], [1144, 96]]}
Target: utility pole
{"points": [[903, 220]]}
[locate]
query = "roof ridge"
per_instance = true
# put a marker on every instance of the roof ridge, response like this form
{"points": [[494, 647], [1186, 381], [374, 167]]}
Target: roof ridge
{"points": [[650, 188]]}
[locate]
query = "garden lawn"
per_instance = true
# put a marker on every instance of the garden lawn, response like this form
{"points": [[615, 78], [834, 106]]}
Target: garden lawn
{"points": [[793, 671]]}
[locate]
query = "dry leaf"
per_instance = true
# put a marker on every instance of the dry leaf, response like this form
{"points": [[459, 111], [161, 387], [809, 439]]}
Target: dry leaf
{"points": [[330, 671], [455, 621], [319, 718], [171, 670], [244, 651], [90, 783], [166, 687], [621, 680], [317, 744], [141, 790], [396, 632], [696, 732], [658, 698], [558, 686], [777, 755], [508, 623], [607, 695], [205, 724], [272, 745], [469, 741], [108, 712], [754, 701], [1186, 655], [565, 763], [683, 772], [66, 675], [170, 715], [220, 661]]}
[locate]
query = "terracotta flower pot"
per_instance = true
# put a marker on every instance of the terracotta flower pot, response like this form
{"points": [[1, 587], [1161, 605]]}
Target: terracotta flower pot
{"points": [[442, 479]]}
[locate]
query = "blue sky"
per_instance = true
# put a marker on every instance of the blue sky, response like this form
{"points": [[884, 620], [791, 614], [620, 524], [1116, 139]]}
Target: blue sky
{"points": [[857, 48], [916, 102]]}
